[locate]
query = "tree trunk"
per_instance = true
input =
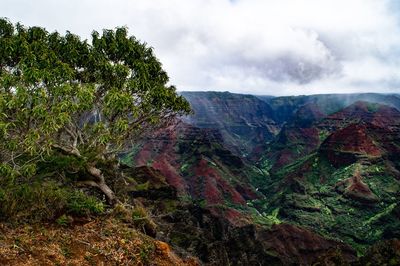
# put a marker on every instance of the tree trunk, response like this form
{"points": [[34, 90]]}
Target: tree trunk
{"points": [[108, 192], [100, 183]]}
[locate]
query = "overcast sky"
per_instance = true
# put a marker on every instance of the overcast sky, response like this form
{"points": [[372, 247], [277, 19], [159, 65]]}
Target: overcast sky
{"points": [[270, 47]]}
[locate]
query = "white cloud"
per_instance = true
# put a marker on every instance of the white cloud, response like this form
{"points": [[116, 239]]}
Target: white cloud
{"points": [[259, 46]]}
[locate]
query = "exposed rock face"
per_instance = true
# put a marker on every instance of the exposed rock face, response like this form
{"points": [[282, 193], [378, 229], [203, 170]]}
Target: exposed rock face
{"points": [[194, 161], [347, 145], [309, 127], [214, 235], [243, 120], [307, 115], [247, 123], [363, 128], [293, 143]]}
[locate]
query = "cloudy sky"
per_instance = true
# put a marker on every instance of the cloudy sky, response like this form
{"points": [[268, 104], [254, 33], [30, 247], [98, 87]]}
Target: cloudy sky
{"points": [[270, 47]]}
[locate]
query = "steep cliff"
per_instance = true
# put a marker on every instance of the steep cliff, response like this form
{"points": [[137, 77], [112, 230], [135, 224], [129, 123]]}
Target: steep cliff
{"points": [[243, 120]]}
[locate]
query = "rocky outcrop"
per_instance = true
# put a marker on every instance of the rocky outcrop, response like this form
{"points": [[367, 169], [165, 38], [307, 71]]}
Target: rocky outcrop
{"points": [[348, 184], [219, 235]]}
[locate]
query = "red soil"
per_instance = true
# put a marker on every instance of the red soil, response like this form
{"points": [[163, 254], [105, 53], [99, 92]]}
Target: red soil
{"points": [[144, 155], [173, 178], [161, 150], [284, 157], [355, 188], [205, 181], [298, 142], [246, 192], [215, 186], [357, 185], [387, 117], [354, 138], [233, 216]]}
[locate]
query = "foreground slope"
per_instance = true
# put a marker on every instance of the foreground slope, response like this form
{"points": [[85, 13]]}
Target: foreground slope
{"points": [[96, 242]]}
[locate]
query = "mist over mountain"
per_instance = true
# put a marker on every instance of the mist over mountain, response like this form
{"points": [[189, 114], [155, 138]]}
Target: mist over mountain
{"points": [[245, 121]]}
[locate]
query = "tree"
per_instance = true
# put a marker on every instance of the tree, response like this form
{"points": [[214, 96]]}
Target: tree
{"points": [[61, 96]]}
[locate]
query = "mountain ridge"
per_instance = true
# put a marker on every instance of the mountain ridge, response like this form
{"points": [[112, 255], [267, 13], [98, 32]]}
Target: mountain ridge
{"points": [[301, 169]]}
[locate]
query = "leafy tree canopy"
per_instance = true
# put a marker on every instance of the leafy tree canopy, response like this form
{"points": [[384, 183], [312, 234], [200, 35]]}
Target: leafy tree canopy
{"points": [[63, 95]]}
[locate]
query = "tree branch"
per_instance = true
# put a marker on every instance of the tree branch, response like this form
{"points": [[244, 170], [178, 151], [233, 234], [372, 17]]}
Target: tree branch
{"points": [[69, 151]]}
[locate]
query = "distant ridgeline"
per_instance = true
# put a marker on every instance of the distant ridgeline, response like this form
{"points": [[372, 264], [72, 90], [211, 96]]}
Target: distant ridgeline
{"points": [[246, 121]]}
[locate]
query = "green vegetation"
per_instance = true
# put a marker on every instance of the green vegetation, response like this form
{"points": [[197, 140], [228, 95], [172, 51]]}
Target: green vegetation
{"points": [[81, 101], [318, 204], [142, 220], [127, 158], [323, 134], [379, 215], [293, 166], [69, 108], [44, 201], [266, 219]]}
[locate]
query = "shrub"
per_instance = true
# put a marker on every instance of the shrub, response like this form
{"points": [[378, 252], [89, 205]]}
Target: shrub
{"points": [[43, 201], [142, 220], [80, 204]]}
